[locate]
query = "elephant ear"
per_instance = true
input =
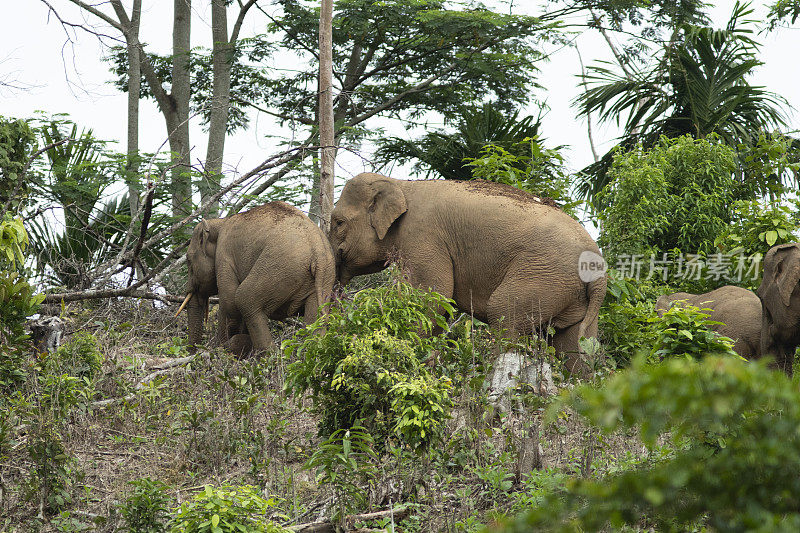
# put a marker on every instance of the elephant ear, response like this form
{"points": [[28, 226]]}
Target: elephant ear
{"points": [[388, 203], [208, 236], [787, 271]]}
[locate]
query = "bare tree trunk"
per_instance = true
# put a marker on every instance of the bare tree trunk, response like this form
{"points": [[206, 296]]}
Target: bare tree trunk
{"points": [[588, 115], [134, 95], [222, 57], [178, 114], [314, 206], [326, 134]]}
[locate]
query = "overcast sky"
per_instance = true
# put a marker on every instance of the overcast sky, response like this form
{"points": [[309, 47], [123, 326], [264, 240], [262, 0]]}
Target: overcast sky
{"points": [[62, 72]]}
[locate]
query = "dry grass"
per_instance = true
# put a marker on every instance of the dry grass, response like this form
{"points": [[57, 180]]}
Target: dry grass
{"points": [[223, 420]]}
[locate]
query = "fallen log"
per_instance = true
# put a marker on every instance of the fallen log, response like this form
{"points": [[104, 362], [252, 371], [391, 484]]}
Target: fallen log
{"points": [[327, 526]]}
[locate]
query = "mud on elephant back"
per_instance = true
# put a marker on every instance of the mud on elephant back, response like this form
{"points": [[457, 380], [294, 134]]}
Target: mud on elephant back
{"points": [[780, 298], [503, 255], [271, 262]]}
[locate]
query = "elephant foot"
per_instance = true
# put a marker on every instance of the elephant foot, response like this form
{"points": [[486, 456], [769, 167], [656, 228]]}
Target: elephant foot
{"points": [[240, 345]]}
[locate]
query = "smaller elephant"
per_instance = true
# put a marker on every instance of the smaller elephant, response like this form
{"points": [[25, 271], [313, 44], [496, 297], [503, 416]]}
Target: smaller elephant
{"points": [[780, 297], [271, 262], [738, 309]]}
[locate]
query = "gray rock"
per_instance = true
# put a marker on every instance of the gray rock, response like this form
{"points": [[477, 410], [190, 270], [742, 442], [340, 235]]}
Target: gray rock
{"points": [[509, 370]]}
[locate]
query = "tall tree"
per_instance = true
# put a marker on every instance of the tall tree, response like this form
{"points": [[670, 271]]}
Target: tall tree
{"points": [[400, 60], [130, 30], [697, 86], [179, 72], [446, 153], [326, 128]]}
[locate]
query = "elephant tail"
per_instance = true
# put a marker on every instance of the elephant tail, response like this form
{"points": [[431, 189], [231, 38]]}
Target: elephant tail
{"points": [[596, 293], [324, 279]]}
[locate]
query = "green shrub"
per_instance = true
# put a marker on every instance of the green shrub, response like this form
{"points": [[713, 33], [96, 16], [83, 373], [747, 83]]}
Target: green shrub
{"points": [[364, 361], [625, 321], [79, 356], [676, 195], [346, 461], [683, 331], [17, 302], [49, 486], [747, 483], [538, 170], [226, 508], [146, 509]]}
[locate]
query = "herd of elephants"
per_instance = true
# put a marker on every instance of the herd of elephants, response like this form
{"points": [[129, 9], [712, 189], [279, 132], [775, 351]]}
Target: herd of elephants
{"points": [[503, 255]]}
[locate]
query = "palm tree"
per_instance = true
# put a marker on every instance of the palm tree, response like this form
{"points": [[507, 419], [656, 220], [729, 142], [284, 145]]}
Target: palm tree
{"points": [[443, 154], [697, 87]]}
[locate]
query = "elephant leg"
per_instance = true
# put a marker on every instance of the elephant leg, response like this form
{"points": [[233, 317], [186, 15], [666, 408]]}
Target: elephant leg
{"points": [[228, 314], [432, 272], [784, 358], [565, 341]]}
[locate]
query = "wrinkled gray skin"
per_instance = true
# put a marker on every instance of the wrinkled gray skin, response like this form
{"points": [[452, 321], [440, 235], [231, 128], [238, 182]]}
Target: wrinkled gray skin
{"points": [[738, 309], [271, 262], [780, 297], [500, 253]]}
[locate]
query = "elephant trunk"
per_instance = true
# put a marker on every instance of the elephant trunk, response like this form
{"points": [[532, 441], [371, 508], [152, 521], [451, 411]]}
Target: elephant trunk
{"points": [[196, 312]]}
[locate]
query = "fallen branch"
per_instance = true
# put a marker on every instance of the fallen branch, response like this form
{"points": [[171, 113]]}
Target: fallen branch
{"points": [[327, 526], [159, 370]]}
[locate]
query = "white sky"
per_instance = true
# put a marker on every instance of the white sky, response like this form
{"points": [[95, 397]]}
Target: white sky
{"points": [[63, 73]]}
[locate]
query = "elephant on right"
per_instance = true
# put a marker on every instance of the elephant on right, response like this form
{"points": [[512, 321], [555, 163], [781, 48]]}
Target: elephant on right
{"points": [[780, 299], [738, 309]]}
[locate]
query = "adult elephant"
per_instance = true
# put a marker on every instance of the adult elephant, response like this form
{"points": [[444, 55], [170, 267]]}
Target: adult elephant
{"points": [[502, 254], [271, 262], [738, 309], [780, 298]]}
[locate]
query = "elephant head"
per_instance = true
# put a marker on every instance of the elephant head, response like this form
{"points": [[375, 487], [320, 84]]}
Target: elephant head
{"points": [[361, 222], [202, 280], [780, 295]]}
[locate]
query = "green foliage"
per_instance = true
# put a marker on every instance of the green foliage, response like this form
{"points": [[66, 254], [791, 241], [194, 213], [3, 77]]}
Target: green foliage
{"points": [[17, 302], [225, 509], [757, 227], [17, 142], [747, 483], [146, 509], [625, 317], [365, 361], [49, 486], [537, 170], [695, 85], [781, 10], [446, 154], [346, 461], [683, 331], [675, 195], [77, 174], [79, 356]]}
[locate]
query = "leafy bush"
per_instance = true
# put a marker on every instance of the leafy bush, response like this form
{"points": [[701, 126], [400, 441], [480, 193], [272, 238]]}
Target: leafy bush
{"points": [[17, 142], [365, 361], [346, 461], [226, 509], [79, 356], [748, 483], [17, 302], [757, 227], [683, 331], [146, 509], [676, 195], [625, 321], [49, 486]]}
